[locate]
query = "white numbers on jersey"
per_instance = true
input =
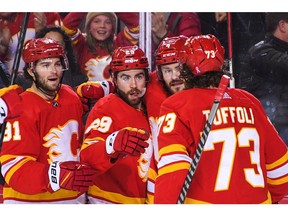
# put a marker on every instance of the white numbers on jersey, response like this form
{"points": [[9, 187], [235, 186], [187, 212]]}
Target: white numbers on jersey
{"points": [[102, 125], [12, 131], [170, 119], [129, 52], [231, 143], [210, 54], [229, 140]]}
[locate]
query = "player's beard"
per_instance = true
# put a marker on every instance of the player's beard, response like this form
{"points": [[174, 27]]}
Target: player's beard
{"points": [[49, 91], [176, 86], [134, 102]]}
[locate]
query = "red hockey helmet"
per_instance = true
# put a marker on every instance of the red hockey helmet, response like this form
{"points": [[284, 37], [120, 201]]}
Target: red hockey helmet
{"points": [[128, 57], [203, 53], [41, 48], [169, 50]]}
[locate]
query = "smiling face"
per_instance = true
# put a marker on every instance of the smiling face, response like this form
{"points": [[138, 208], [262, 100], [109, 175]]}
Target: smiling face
{"points": [[101, 27]]}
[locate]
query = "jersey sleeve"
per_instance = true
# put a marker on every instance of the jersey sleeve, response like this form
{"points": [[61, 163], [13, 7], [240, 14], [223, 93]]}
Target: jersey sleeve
{"points": [[71, 22], [19, 157], [98, 127], [174, 159], [53, 19], [70, 25], [129, 35]]}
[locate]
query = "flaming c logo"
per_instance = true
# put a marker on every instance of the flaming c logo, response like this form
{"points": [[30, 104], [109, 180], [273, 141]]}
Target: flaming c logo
{"points": [[62, 142], [144, 161], [98, 68]]}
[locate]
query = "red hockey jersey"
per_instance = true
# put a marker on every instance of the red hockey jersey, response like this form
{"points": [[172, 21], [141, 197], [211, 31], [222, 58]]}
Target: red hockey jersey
{"points": [[244, 160], [124, 181], [45, 132]]}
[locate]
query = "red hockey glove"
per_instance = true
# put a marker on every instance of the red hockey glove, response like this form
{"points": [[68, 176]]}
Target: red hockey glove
{"points": [[95, 89], [10, 102], [70, 175], [127, 141], [85, 104]]}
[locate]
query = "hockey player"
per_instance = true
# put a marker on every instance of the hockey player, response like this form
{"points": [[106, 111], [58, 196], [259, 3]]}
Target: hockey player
{"points": [[163, 82], [40, 148], [117, 131], [244, 160]]}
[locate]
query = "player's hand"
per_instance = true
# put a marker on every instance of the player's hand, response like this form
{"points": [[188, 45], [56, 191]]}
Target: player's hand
{"points": [[91, 91], [10, 102], [5, 37], [127, 141], [40, 20], [85, 104], [95, 89], [70, 175], [220, 16]]}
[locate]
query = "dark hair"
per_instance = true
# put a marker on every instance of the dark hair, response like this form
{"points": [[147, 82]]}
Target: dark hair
{"points": [[272, 20], [206, 80], [74, 75], [26, 74], [68, 44]]}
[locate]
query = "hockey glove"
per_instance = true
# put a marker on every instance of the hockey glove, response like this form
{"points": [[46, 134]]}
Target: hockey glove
{"points": [[127, 141], [95, 89], [85, 104], [10, 102], [70, 175]]}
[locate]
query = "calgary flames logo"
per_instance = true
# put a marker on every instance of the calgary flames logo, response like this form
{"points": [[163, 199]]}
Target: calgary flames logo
{"points": [[56, 141], [144, 161], [97, 69]]}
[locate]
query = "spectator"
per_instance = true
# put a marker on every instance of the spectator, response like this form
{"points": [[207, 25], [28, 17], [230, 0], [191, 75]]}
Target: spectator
{"points": [[39, 159], [4, 44], [5, 78], [243, 155], [173, 24], [13, 21], [5, 37], [73, 76], [267, 72], [115, 140], [95, 46]]}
